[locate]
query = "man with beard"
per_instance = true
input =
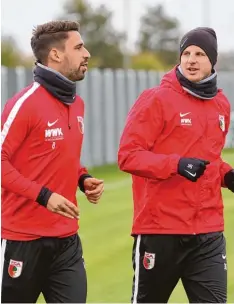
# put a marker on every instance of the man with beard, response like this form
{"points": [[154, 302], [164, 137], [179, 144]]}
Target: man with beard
{"points": [[42, 134], [172, 145]]}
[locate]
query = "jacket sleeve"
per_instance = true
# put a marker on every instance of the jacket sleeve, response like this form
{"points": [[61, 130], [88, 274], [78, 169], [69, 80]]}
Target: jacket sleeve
{"points": [[144, 124], [225, 167], [82, 171], [83, 174], [15, 128]]}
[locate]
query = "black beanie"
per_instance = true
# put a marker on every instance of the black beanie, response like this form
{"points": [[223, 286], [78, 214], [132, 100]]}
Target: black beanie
{"points": [[203, 37]]}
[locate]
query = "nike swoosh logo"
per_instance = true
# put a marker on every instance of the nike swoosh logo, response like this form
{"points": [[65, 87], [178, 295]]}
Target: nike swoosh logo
{"points": [[193, 175], [50, 124], [223, 256], [184, 114]]}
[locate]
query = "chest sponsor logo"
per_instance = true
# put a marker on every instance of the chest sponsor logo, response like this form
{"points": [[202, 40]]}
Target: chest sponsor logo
{"points": [[185, 120], [54, 134]]}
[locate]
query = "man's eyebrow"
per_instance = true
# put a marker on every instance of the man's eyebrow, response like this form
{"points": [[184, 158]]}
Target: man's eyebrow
{"points": [[79, 45]]}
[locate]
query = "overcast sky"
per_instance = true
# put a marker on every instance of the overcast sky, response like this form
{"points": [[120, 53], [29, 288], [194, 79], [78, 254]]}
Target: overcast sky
{"points": [[19, 16]]}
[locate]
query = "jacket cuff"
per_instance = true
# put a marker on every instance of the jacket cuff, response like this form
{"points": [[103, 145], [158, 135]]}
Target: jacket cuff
{"points": [[81, 181], [43, 196], [229, 180]]}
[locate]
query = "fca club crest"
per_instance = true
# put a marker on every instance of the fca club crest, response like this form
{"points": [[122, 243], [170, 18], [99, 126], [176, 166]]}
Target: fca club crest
{"points": [[81, 124], [222, 122], [149, 260], [15, 268]]}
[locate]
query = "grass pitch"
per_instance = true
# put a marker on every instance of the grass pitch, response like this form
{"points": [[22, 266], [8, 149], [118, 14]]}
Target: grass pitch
{"points": [[107, 244]]}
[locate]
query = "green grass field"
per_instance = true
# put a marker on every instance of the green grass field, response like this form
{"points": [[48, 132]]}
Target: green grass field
{"points": [[107, 244]]}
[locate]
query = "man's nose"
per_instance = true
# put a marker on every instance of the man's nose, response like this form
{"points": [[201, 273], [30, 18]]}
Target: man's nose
{"points": [[87, 54], [192, 58]]}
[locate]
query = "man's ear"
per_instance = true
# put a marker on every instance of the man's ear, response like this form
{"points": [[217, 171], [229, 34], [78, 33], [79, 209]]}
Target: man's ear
{"points": [[55, 55]]}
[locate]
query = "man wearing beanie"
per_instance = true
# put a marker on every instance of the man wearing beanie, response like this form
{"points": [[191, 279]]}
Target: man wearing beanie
{"points": [[171, 145]]}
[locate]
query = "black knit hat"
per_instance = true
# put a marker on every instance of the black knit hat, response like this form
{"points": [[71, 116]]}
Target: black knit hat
{"points": [[205, 38]]}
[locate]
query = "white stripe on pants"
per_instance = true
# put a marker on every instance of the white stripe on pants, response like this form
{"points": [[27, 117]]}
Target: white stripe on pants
{"points": [[137, 268], [3, 249]]}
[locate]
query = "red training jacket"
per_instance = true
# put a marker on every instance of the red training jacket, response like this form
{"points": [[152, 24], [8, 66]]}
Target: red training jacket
{"points": [[41, 145], [165, 124]]}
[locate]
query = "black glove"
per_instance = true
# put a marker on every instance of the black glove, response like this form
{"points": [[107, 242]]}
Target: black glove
{"points": [[192, 168], [229, 180]]}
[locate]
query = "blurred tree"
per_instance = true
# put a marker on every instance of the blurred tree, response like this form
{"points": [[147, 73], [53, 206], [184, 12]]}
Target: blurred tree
{"points": [[10, 53], [28, 61], [160, 34], [101, 39], [146, 61]]}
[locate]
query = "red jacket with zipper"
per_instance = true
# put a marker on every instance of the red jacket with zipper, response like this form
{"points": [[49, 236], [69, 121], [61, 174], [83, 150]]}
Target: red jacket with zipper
{"points": [[165, 124], [41, 144]]}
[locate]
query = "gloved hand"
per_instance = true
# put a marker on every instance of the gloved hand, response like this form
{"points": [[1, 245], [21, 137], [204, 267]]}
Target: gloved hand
{"points": [[229, 180], [192, 168]]}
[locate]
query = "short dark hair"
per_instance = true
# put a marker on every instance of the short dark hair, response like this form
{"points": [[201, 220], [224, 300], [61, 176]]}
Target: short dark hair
{"points": [[50, 34]]}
